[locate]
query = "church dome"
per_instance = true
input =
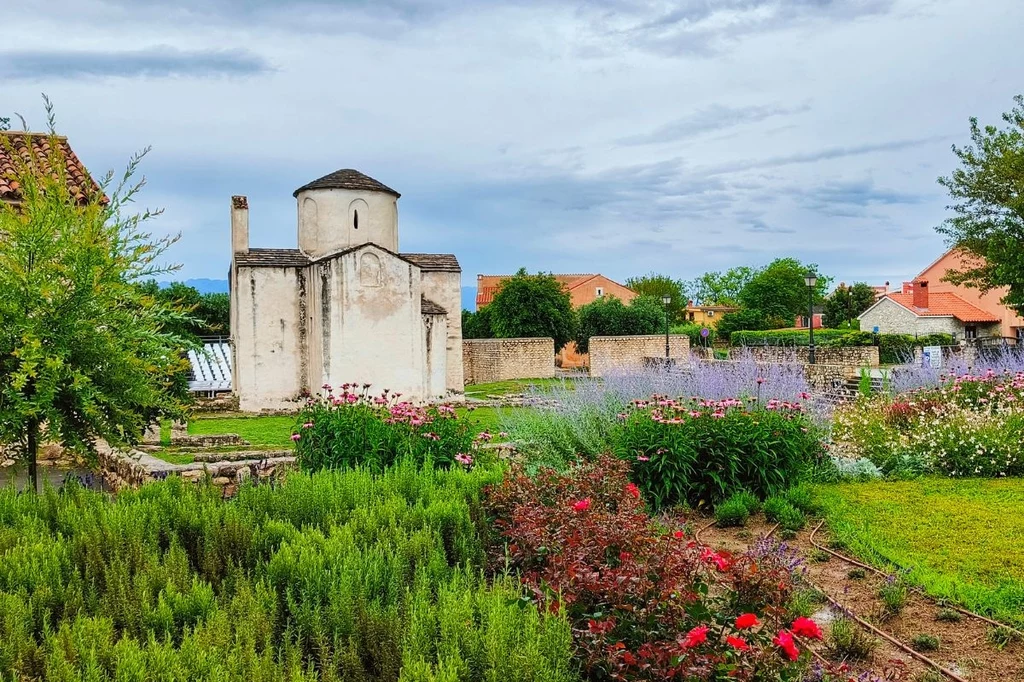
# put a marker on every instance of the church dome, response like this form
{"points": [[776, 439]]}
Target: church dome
{"points": [[347, 178]]}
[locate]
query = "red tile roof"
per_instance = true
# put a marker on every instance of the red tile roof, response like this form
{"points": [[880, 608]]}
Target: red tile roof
{"points": [[37, 149], [945, 304]]}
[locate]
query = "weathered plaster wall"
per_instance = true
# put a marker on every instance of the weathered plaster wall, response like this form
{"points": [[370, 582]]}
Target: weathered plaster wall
{"points": [[435, 338], [487, 360], [327, 220], [623, 352], [270, 337], [445, 289]]}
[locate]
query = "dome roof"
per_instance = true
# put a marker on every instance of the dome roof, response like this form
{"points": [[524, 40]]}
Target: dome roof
{"points": [[347, 178]]}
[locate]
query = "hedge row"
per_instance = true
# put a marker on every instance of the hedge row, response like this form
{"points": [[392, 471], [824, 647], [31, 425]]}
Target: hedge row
{"points": [[892, 348]]}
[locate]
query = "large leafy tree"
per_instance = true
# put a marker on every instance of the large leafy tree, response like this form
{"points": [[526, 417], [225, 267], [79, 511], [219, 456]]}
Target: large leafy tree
{"points": [[608, 316], [721, 288], [778, 290], [477, 325], [846, 303], [656, 286], [988, 207], [532, 306], [84, 351], [210, 312]]}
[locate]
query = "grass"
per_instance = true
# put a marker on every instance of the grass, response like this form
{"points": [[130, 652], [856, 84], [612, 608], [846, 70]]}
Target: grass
{"points": [[959, 539], [512, 386], [261, 431], [174, 457]]}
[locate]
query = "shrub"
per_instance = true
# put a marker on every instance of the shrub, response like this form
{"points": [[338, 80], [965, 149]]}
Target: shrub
{"points": [[696, 452], [341, 574], [353, 428], [645, 604], [732, 512], [1001, 636], [925, 642], [856, 574], [802, 498], [693, 332], [790, 337], [781, 511], [847, 641], [893, 594], [748, 499], [949, 616]]}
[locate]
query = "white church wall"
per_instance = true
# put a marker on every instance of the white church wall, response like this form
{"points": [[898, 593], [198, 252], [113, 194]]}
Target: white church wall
{"points": [[445, 289], [376, 332], [435, 337], [268, 339], [327, 220]]}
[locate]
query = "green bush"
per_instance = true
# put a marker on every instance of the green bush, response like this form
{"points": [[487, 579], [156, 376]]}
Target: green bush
{"points": [[748, 499], [339, 575], [698, 453], [788, 337], [780, 510], [925, 642], [693, 332], [802, 497], [731, 512], [352, 428]]}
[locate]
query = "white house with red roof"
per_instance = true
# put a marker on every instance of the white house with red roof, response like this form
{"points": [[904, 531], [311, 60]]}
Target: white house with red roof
{"points": [[917, 310]]}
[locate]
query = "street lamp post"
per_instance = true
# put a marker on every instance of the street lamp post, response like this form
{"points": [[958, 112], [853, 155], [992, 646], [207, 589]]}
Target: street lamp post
{"points": [[810, 279], [666, 300]]}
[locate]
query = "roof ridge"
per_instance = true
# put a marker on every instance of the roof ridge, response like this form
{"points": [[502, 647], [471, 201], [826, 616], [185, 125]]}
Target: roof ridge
{"points": [[30, 133]]}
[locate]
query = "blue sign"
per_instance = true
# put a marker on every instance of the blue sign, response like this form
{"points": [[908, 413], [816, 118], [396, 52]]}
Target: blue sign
{"points": [[876, 329], [704, 332]]}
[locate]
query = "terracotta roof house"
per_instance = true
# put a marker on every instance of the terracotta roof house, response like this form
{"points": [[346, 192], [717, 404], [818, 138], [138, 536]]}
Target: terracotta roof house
{"points": [[582, 288], [918, 310], [37, 149]]}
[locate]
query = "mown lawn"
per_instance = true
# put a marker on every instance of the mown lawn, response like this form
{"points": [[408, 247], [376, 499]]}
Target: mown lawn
{"points": [[961, 539], [482, 391], [263, 431]]}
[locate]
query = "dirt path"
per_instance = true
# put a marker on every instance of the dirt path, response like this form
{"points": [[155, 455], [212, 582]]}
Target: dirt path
{"points": [[964, 646]]}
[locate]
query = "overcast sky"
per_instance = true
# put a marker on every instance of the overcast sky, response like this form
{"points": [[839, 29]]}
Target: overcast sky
{"points": [[613, 136]]}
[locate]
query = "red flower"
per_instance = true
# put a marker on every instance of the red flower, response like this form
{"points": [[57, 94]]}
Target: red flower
{"points": [[696, 636], [737, 643], [678, 535], [784, 640], [805, 627], [582, 505], [628, 658], [747, 620], [625, 556], [633, 490]]}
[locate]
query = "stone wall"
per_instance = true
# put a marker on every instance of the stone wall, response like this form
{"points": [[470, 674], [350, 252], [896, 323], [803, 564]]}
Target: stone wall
{"points": [[855, 356], [623, 352], [487, 360]]}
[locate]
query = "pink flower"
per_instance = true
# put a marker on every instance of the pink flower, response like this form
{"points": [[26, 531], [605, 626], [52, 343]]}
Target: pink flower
{"points": [[760, 380], [696, 637], [464, 459], [307, 425], [641, 458], [582, 505], [296, 437]]}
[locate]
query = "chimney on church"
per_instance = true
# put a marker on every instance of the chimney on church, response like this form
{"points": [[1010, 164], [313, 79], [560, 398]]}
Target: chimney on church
{"points": [[921, 293], [239, 224]]}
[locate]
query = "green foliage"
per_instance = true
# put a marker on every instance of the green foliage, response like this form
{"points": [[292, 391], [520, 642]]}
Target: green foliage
{"points": [[336, 576], [533, 306], [84, 353], [987, 191], [608, 316], [893, 594], [1001, 636], [858, 574], [949, 616], [741, 320], [801, 496], [655, 286], [780, 510], [925, 642], [477, 325], [700, 455], [847, 641], [720, 288], [779, 291], [892, 348], [693, 332], [921, 525], [352, 428], [732, 512], [792, 337], [845, 303], [209, 314], [805, 602]]}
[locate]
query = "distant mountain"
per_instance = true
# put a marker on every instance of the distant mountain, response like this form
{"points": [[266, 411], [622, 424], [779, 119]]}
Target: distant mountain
{"points": [[469, 298], [205, 286]]}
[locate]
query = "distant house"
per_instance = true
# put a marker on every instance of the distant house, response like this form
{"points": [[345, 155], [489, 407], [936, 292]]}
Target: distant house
{"points": [[819, 319], [1011, 324], [36, 149], [918, 310], [582, 288], [706, 315]]}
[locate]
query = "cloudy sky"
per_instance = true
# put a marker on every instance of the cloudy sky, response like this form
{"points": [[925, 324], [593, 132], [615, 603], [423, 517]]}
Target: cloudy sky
{"points": [[619, 136]]}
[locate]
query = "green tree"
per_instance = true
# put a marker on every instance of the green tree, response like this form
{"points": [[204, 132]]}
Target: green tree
{"points": [[608, 316], [209, 313], [846, 303], [83, 349], [742, 320], [721, 288], [477, 325], [778, 290], [988, 207], [656, 286], [533, 306]]}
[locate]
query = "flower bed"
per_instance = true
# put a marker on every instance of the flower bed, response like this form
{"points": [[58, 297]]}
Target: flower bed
{"points": [[351, 427], [645, 603], [698, 451], [972, 425]]}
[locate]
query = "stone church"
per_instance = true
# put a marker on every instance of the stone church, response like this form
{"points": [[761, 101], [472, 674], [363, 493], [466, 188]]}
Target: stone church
{"points": [[346, 306]]}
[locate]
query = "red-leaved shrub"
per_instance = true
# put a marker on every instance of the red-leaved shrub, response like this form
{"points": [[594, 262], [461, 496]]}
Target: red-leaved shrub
{"points": [[645, 602]]}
